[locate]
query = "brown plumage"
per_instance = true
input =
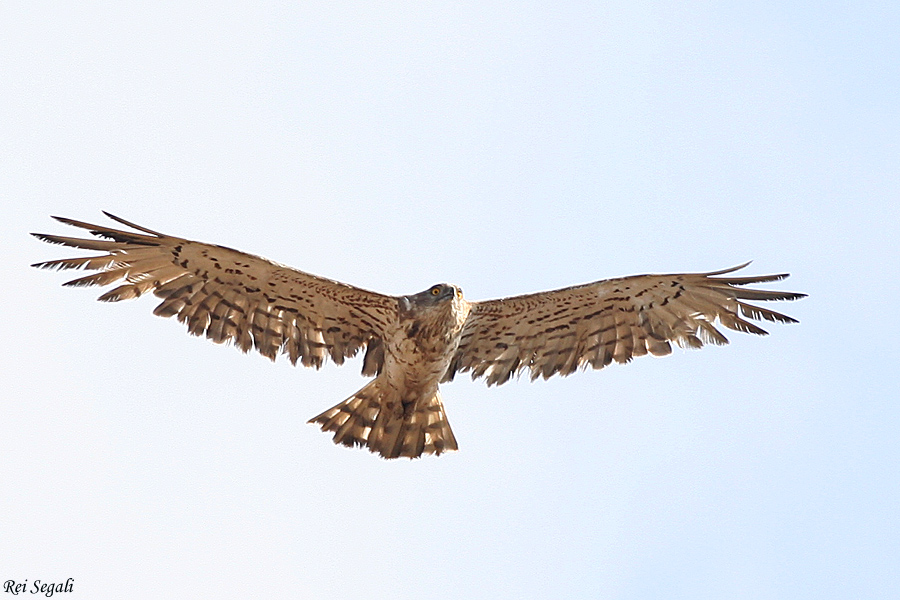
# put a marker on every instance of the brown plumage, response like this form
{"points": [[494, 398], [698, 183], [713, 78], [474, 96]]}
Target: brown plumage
{"points": [[414, 342]]}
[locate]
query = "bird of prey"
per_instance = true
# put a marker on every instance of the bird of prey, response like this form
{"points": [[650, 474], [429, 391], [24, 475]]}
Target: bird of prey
{"points": [[412, 343]]}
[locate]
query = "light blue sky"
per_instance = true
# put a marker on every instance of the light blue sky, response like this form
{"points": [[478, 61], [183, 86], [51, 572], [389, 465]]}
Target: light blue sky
{"points": [[507, 148]]}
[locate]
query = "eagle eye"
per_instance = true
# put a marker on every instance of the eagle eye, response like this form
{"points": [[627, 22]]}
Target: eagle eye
{"points": [[435, 291]]}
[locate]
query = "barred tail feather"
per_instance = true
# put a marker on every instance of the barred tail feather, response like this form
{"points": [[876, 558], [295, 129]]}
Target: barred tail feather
{"points": [[374, 417]]}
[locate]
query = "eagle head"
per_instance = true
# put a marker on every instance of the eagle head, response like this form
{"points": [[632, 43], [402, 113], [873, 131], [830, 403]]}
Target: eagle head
{"points": [[437, 295]]}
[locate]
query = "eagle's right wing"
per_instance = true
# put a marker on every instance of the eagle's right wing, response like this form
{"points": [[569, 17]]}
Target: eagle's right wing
{"points": [[233, 296]]}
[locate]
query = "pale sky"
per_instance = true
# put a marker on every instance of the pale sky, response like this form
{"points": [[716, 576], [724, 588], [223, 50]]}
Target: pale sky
{"points": [[506, 148]]}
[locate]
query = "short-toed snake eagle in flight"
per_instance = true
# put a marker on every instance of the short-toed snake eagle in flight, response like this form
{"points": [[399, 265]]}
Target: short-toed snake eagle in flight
{"points": [[413, 343]]}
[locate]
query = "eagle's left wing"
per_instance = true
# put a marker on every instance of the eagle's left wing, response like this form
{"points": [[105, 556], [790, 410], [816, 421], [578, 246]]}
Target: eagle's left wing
{"points": [[616, 319], [234, 296]]}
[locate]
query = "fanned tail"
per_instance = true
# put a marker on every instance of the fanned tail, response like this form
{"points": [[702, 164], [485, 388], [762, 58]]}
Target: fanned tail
{"points": [[375, 417]]}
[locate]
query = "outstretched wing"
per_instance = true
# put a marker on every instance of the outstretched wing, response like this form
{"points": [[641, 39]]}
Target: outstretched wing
{"points": [[613, 320], [233, 296]]}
